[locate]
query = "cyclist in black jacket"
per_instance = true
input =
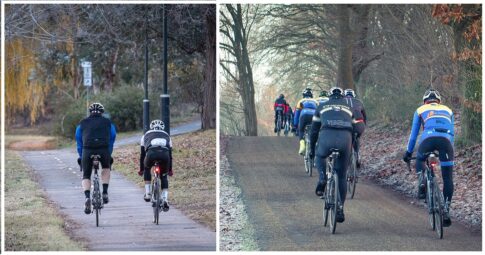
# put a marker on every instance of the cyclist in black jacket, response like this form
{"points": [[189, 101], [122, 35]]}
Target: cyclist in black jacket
{"points": [[95, 135], [332, 126], [360, 119], [156, 146]]}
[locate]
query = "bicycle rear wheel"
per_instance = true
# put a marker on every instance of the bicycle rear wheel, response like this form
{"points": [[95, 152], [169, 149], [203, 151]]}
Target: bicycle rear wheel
{"points": [[335, 200], [97, 217], [352, 175], [326, 204], [438, 210], [430, 202], [308, 159], [278, 125], [156, 201]]}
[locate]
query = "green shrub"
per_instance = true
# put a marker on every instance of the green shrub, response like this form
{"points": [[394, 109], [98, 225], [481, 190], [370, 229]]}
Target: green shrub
{"points": [[124, 106]]}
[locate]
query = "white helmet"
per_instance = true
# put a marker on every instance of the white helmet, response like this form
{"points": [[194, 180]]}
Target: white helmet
{"points": [[431, 94], [96, 108], [157, 125], [349, 92]]}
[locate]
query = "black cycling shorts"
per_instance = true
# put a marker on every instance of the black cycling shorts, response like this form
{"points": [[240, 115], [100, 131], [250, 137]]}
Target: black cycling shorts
{"points": [[87, 163]]}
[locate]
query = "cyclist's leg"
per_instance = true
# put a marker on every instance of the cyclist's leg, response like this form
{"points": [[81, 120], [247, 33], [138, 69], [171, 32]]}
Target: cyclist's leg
{"points": [[425, 146], [322, 151], [147, 175], [105, 173], [87, 167], [446, 162], [343, 142]]}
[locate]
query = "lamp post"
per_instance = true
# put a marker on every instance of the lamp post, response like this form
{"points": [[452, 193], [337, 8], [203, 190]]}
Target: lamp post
{"points": [[146, 102], [165, 97]]}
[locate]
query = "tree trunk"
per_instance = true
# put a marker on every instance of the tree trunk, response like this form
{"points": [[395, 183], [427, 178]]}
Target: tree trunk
{"points": [[208, 114], [246, 85], [470, 79], [344, 73]]}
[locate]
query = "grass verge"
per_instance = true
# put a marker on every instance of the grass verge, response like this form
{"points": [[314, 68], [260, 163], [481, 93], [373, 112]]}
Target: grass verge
{"points": [[192, 188], [31, 223]]}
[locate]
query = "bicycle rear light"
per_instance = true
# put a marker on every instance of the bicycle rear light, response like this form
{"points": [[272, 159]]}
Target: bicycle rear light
{"points": [[157, 169]]}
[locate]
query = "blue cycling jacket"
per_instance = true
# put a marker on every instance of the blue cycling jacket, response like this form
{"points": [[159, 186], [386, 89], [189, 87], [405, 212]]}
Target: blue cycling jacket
{"points": [[437, 121], [79, 139], [305, 106]]}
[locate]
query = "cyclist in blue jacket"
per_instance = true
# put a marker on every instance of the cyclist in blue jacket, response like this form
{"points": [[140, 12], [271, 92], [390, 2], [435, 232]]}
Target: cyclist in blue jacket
{"points": [[95, 135], [305, 108], [438, 134]]}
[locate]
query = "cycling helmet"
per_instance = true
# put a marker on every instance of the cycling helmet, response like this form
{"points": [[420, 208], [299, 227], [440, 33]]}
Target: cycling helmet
{"points": [[96, 108], [282, 96], [157, 125], [336, 91], [431, 94], [323, 93], [349, 92], [307, 92]]}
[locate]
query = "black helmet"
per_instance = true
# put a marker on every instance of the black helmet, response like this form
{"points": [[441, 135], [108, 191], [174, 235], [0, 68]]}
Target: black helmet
{"points": [[431, 94], [349, 92], [307, 92], [96, 108], [336, 91], [282, 96], [157, 125], [323, 93]]}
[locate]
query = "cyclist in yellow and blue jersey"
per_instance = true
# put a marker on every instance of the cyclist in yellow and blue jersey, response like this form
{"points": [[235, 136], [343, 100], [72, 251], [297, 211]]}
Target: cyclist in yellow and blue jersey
{"points": [[323, 97], [438, 134], [305, 108]]}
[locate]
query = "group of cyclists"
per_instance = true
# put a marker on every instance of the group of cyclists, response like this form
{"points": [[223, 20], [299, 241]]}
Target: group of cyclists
{"points": [[96, 134], [338, 119]]}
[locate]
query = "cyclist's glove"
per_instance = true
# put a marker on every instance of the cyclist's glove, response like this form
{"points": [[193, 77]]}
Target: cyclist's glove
{"points": [[79, 161], [170, 172], [111, 161], [407, 156], [140, 172]]}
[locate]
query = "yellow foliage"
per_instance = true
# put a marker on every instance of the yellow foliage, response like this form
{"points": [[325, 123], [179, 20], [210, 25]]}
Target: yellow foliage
{"points": [[24, 90]]}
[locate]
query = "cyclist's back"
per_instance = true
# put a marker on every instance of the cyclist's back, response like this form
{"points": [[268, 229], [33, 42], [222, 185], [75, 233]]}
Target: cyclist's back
{"points": [[437, 121], [280, 107], [332, 127], [156, 147], [305, 108], [95, 135]]}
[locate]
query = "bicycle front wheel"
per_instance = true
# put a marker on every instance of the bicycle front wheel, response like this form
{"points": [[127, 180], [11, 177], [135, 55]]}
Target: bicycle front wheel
{"points": [[438, 210]]}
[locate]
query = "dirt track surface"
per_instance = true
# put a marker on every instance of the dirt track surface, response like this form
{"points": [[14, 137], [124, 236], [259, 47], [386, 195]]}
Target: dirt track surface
{"points": [[125, 222], [287, 216]]}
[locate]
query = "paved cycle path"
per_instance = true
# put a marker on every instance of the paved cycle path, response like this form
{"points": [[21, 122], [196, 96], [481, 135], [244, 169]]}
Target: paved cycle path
{"points": [[287, 216], [125, 222]]}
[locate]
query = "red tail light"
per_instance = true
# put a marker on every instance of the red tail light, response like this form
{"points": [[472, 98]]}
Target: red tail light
{"points": [[157, 169]]}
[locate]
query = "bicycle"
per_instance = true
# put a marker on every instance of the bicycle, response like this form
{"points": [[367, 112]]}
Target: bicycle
{"points": [[308, 160], [352, 176], [332, 200], [434, 197], [157, 200], [96, 199], [287, 127], [279, 122]]}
